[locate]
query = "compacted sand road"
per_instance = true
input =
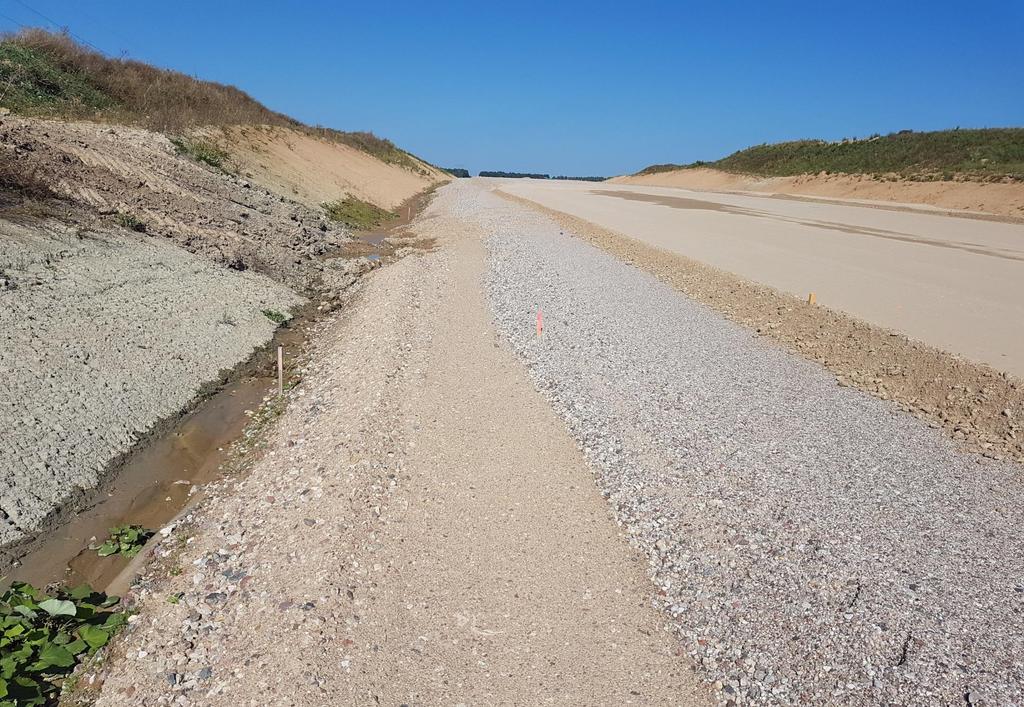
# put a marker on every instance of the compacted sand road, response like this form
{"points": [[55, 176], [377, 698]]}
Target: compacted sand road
{"points": [[954, 283], [425, 530]]}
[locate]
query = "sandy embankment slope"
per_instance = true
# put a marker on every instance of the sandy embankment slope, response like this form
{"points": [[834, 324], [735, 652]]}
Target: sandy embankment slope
{"points": [[106, 330], [992, 198], [313, 170]]}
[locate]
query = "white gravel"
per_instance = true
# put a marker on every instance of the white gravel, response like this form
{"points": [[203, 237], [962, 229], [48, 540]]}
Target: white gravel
{"points": [[812, 544]]}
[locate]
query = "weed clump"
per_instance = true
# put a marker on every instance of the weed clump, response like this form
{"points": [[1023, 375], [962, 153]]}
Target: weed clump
{"points": [[125, 540], [275, 316], [357, 214], [43, 635], [201, 151], [131, 222]]}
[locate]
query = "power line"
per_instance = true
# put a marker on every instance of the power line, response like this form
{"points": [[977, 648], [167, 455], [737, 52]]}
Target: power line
{"points": [[11, 19], [57, 25]]}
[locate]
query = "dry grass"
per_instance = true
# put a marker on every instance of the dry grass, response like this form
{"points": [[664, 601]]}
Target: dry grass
{"points": [[48, 74], [140, 93]]}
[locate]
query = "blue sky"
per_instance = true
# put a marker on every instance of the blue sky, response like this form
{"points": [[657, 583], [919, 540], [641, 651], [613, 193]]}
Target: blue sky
{"points": [[584, 87]]}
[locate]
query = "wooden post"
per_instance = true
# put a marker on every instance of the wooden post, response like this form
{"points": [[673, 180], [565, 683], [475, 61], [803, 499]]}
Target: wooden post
{"points": [[280, 371], [811, 299]]}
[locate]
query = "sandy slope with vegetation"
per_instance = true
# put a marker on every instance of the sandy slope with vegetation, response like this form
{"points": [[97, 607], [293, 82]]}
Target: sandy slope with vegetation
{"points": [[1001, 199], [961, 169], [138, 264], [316, 169]]}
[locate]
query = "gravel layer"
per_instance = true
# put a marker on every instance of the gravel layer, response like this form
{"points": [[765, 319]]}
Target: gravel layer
{"points": [[812, 544], [103, 333], [979, 407]]}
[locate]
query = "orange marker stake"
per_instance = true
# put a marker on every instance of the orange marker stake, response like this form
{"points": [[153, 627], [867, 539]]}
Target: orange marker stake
{"points": [[540, 321]]}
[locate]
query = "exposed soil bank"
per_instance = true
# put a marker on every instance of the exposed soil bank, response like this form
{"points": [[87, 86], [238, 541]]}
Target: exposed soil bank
{"points": [[151, 277], [136, 177], [976, 405], [1001, 199], [313, 170]]}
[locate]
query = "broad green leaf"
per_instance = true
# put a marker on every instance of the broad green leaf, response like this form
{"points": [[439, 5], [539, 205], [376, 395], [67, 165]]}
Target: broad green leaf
{"points": [[82, 591], [115, 621], [93, 635], [57, 656], [76, 647], [58, 607], [106, 549]]}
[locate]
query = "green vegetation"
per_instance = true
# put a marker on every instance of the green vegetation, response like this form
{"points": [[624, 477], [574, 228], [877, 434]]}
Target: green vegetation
{"points": [[51, 74], [131, 222], [201, 151], [44, 635], [31, 82], [356, 213], [457, 172], [275, 316], [124, 540], [988, 154]]}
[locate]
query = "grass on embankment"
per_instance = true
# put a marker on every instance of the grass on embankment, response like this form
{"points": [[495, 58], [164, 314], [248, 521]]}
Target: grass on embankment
{"points": [[989, 154], [357, 214], [44, 74]]}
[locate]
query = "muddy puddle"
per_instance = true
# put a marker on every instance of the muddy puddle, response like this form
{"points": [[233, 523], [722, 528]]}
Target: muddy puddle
{"points": [[160, 477]]}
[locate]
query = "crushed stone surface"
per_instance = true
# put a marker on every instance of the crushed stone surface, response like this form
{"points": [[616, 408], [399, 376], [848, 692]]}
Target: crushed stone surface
{"points": [[420, 529], [813, 545], [977, 406]]}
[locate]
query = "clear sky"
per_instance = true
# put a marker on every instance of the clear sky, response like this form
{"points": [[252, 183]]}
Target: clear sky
{"points": [[584, 88]]}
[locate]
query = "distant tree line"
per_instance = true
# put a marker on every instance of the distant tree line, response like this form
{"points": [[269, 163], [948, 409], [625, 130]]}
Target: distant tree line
{"points": [[531, 175], [516, 175], [457, 172]]}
